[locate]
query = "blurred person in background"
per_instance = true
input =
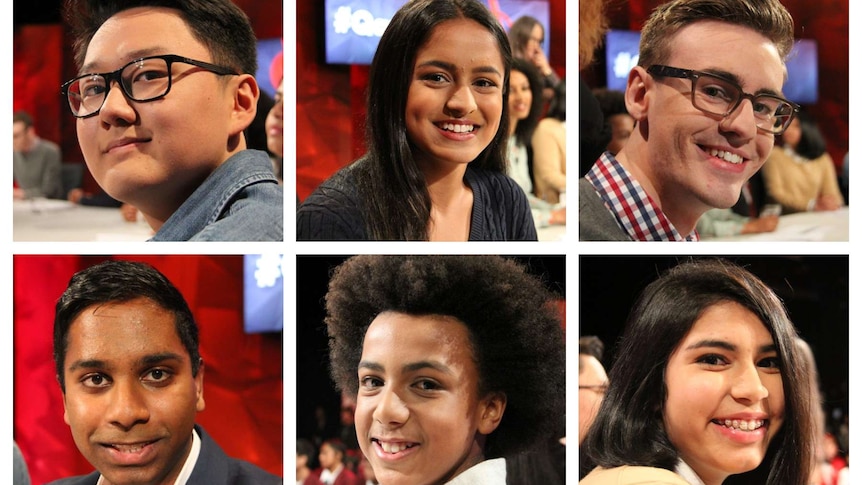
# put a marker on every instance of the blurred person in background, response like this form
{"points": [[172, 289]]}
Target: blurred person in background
{"points": [[36, 163]]}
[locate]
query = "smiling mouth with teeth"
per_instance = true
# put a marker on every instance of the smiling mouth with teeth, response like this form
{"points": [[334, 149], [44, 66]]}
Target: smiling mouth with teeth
{"points": [[394, 447], [726, 156], [741, 424], [457, 128]]}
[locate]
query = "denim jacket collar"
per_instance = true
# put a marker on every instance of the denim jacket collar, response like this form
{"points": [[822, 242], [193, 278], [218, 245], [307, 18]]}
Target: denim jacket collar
{"points": [[213, 198]]}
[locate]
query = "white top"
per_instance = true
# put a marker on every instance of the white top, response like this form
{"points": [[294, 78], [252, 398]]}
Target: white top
{"points": [[519, 169], [685, 471], [489, 472], [188, 466]]}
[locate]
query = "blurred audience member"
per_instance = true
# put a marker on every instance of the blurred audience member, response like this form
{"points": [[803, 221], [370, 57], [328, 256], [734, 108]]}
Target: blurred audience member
{"points": [[527, 36], [333, 471], [366, 476], [304, 457], [36, 165], [618, 122], [592, 383], [800, 175], [275, 118], [725, 222], [549, 149], [525, 106]]}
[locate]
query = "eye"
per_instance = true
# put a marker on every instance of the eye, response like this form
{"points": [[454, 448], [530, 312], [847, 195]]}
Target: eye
{"points": [[427, 385], [435, 78], [716, 91], [95, 381], [712, 360], [93, 86], [157, 376], [149, 74], [485, 83], [770, 363], [370, 382]]}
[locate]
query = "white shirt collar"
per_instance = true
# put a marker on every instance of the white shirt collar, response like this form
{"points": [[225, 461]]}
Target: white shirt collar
{"points": [[488, 472], [328, 477], [686, 472], [188, 466]]}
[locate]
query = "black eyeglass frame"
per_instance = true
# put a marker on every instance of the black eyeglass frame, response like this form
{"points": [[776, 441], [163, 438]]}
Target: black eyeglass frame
{"points": [[659, 70], [109, 77]]}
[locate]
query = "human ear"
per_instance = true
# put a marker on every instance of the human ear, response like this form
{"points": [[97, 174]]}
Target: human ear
{"points": [[636, 95], [244, 107], [200, 405], [492, 408]]}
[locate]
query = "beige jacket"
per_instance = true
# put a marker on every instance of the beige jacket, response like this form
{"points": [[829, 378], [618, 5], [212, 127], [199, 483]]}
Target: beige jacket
{"points": [[633, 475]]}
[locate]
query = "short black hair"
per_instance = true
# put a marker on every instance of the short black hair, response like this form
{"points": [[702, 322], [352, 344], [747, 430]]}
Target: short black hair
{"points": [[218, 24], [22, 117], [514, 328], [120, 281]]}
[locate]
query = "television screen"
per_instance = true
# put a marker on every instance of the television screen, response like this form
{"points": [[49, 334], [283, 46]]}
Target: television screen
{"points": [[267, 49], [263, 293], [353, 27], [621, 48]]}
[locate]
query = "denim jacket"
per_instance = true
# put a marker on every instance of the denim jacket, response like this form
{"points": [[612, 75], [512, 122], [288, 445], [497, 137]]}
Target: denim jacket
{"points": [[240, 201]]}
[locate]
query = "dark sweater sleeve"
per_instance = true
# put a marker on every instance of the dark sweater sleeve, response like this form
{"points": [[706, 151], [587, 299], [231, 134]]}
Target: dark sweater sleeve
{"points": [[331, 213]]}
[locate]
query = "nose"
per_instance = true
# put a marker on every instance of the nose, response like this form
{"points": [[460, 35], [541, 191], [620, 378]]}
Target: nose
{"points": [[748, 386], [117, 109], [741, 121], [128, 406], [391, 410], [461, 102]]}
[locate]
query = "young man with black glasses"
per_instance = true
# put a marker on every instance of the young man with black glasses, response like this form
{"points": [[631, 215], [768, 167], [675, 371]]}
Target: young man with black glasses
{"points": [[706, 98], [162, 98]]}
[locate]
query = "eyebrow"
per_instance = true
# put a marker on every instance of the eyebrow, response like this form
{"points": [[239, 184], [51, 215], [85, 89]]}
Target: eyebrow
{"points": [[733, 77], [147, 360], [451, 67], [89, 68], [411, 367], [723, 344]]}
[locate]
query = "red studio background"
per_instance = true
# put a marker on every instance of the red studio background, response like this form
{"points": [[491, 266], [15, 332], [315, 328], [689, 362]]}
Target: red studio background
{"points": [[243, 383]]}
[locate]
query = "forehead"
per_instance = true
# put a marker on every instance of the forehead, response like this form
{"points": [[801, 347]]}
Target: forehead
{"points": [[731, 322], [462, 42], [736, 49], [401, 337], [138, 32], [122, 331]]}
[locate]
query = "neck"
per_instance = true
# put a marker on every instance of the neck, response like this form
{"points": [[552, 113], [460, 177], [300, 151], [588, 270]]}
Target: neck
{"points": [[302, 473], [682, 212], [445, 185], [513, 124]]}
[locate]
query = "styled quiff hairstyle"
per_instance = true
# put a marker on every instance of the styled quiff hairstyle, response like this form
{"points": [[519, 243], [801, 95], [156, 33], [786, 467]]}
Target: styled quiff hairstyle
{"points": [[766, 17], [629, 428], [218, 24], [514, 329]]}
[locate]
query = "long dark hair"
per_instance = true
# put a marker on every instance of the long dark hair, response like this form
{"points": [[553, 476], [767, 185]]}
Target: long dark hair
{"points": [[629, 428], [391, 186], [525, 128]]}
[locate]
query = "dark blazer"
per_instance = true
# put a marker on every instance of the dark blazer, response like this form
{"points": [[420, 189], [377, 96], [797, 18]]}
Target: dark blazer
{"points": [[213, 467]]}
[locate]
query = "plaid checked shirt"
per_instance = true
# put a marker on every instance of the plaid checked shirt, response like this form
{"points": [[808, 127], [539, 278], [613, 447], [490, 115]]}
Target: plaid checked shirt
{"points": [[633, 208]]}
